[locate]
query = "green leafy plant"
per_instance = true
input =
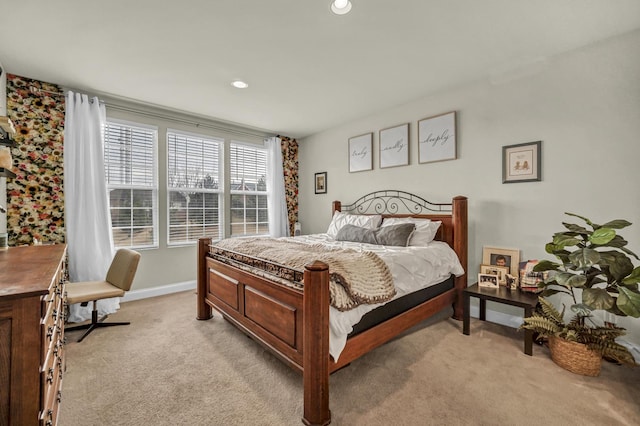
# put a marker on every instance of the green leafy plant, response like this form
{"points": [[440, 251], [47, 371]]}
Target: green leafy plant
{"points": [[548, 321], [594, 267]]}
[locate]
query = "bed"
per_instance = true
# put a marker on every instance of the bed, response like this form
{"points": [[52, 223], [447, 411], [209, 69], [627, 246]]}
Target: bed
{"points": [[288, 311]]}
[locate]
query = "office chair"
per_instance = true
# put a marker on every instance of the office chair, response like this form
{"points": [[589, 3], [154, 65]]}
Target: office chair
{"points": [[117, 283]]}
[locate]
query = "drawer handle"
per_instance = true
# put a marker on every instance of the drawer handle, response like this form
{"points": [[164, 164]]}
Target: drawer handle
{"points": [[54, 314], [50, 376], [50, 332], [59, 398]]}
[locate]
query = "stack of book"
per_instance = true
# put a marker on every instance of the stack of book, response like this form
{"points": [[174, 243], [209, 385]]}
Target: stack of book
{"points": [[528, 278]]}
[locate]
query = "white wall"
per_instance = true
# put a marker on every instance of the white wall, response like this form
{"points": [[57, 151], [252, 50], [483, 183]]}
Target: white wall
{"points": [[585, 108]]}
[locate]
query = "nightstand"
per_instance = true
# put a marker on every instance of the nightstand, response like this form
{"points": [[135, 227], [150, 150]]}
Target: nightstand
{"points": [[521, 299]]}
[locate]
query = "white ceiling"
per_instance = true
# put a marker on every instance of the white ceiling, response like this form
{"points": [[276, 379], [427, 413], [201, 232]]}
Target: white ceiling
{"points": [[308, 69]]}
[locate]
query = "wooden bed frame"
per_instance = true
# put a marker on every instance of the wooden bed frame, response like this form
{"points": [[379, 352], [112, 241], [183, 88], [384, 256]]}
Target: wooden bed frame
{"points": [[294, 324]]}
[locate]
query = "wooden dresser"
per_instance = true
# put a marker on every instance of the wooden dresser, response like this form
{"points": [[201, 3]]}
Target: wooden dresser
{"points": [[32, 309]]}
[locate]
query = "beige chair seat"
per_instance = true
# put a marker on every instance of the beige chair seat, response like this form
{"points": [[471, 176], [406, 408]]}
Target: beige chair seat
{"points": [[89, 291]]}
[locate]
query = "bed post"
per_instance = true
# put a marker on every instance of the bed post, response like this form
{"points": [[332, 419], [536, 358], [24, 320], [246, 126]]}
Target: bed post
{"points": [[204, 310], [459, 213], [315, 344]]}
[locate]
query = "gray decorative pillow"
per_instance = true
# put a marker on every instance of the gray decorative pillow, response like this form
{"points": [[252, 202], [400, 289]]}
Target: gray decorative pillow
{"points": [[395, 235], [392, 235], [357, 234]]}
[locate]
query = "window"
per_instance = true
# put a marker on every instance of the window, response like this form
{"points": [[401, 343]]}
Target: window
{"points": [[194, 187], [248, 185], [130, 169]]}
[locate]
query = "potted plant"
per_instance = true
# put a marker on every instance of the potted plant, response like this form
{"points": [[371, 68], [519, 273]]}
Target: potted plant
{"points": [[595, 269]]}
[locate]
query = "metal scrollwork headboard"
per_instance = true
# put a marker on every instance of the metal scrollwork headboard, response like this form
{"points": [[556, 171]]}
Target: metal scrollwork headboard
{"points": [[394, 202]]}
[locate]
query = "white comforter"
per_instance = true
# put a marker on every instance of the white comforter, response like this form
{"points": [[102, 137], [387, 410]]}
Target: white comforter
{"points": [[413, 268]]}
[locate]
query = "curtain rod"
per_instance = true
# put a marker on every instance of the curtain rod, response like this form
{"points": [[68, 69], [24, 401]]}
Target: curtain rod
{"points": [[185, 121], [151, 114], [34, 89]]}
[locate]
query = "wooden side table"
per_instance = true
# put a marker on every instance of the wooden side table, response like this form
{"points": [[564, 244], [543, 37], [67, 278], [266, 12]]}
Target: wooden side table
{"points": [[521, 299]]}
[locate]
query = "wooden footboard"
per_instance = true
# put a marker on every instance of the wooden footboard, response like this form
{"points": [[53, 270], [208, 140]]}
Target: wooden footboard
{"points": [[294, 324]]}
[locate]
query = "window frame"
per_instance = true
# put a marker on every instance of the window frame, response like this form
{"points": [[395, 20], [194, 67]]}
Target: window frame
{"points": [[154, 189], [232, 192], [221, 142]]}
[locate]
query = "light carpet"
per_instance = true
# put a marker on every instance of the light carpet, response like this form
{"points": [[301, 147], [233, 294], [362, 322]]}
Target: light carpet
{"points": [[167, 368]]}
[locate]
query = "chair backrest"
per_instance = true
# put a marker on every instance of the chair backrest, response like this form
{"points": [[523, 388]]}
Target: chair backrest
{"points": [[123, 268]]}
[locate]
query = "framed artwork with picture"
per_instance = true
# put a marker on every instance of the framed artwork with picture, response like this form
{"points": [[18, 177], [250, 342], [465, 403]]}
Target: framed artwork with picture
{"points": [[321, 182], [504, 257], [500, 271]]}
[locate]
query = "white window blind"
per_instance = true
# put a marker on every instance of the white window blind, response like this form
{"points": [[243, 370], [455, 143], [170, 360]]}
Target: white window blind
{"points": [[194, 187], [130, 168], [248, 184]]}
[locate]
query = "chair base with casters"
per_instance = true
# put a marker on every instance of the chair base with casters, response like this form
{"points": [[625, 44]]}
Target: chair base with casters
{"points": [[95, 323], [118, 282]]}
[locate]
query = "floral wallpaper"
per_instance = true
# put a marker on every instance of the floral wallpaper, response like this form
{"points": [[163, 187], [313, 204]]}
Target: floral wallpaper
{"points": [[290, 166], [35, 199]]}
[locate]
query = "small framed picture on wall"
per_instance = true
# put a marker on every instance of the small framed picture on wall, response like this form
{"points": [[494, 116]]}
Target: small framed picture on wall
{"points": [[521, 162], [321, 182]]}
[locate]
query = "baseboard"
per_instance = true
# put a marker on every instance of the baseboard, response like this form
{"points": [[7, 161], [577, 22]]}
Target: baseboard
{"points": [[515, 321], [158, 291]]}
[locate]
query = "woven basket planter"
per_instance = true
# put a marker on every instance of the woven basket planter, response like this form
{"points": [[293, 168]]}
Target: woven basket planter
{"points": [[575, 357]]}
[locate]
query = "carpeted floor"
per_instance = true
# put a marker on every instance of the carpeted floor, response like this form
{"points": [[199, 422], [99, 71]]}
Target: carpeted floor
{"points": [[167, 368]]}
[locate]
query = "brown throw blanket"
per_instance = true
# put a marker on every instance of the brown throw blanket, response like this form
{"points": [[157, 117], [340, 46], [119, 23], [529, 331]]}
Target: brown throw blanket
{"points": [[355, 277]]}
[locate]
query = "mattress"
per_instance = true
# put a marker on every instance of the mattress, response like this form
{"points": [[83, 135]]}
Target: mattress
{"points": [[412, 268]]}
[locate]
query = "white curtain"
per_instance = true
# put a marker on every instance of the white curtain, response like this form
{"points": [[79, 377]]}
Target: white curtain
{"points": [[277, 205], [87, 217]]}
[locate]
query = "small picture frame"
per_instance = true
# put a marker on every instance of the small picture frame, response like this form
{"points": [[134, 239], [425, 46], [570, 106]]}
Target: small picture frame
{"points": [[505, 257], [361, 153], [500, 271], [437, 138], [522, 162], [394, 146], [512, 282], [321, 182], [488, 280]]}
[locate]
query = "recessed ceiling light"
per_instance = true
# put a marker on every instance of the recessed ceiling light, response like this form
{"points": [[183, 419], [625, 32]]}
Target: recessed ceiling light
{"points": [[340, 7], [239, 84]]}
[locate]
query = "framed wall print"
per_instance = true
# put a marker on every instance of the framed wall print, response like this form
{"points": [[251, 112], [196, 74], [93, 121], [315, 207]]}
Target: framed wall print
{"points": [[437, 138], [321, 183], [361, 153], [500, 271], [521, 163], [501, 257], [394, 146]]}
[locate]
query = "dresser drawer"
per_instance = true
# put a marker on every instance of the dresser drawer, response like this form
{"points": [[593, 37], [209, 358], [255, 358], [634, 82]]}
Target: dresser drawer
{"points": [[52, 323], [52, 370]]}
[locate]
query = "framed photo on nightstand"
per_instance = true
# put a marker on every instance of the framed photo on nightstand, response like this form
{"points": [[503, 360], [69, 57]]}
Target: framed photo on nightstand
{"points": [[500, 271], [501, 257], [488, 280]]}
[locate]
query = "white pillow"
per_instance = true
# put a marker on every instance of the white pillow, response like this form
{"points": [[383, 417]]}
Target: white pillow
{"points": [[341, 219], [424, 233]]}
